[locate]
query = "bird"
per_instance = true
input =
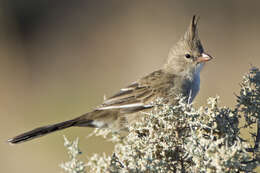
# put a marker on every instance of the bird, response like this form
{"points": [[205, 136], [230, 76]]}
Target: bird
{"points": [[180, 75]]}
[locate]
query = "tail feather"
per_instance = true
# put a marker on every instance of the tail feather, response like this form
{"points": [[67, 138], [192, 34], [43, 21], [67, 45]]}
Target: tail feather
{"points": [[38, 132]]}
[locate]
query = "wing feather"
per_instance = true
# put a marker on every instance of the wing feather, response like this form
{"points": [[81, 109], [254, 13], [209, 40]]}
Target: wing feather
{"points": [[134, 97]]}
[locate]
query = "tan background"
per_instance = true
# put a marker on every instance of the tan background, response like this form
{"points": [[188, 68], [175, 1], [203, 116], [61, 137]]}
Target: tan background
{"points": [[57, 60]]}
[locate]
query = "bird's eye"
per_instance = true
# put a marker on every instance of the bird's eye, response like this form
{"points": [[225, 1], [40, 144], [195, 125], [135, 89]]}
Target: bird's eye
{"points": [[187, 55]]}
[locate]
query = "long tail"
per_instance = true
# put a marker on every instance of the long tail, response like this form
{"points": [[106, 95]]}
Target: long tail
{"points": [[38, 132]]}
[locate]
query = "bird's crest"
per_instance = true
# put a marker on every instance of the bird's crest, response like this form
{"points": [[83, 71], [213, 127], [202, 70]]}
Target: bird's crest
{"points": [[192, 31]]}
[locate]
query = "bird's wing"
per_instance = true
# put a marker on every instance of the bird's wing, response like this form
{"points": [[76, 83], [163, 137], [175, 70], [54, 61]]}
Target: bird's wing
{"points": [[136, 96]]}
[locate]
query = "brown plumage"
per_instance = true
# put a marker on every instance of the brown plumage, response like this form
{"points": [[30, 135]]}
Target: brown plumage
{"points": [[179, 76]]}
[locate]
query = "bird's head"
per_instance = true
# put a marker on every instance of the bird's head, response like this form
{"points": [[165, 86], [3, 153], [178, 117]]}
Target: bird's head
{"points": [[188, 55]]}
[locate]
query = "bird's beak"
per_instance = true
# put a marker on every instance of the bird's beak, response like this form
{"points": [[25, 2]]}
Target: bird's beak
{"points": [[204, 57]]}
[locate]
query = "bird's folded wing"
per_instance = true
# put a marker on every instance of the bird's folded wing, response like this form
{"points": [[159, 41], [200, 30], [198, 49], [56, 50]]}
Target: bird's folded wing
{"points": [[135, 97], [130, 99]]}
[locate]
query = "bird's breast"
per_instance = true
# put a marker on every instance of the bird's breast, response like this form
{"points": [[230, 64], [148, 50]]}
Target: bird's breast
{"points": [[187, 87]]}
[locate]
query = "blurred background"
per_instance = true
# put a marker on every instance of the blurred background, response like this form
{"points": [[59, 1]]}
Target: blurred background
{"points": [[59, 58]]}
